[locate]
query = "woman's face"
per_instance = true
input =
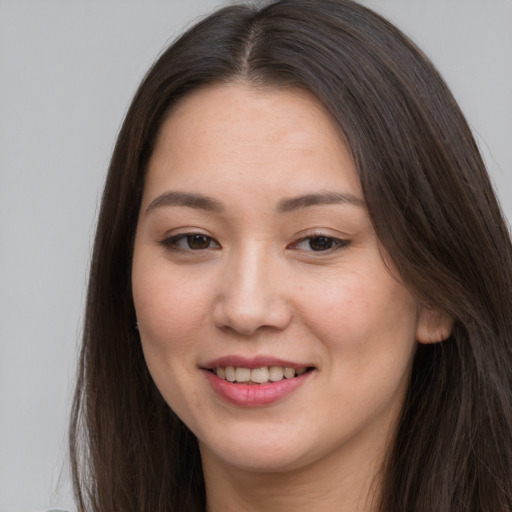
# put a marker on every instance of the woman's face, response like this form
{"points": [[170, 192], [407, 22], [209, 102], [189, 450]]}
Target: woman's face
{"points": [[255, 261]]}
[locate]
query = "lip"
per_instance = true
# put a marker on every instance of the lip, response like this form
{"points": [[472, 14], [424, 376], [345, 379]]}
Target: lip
{"points": [[253, 395]]}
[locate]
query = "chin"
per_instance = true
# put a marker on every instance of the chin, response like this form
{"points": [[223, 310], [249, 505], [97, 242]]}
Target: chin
{"points": [[269, 455]]}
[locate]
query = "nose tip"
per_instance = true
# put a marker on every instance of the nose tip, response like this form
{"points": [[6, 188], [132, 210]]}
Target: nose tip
{"points": [[252, 299], [247, 317]]}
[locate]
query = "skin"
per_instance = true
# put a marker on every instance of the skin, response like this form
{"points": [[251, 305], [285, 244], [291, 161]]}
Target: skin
{"points": [[257, 288]]}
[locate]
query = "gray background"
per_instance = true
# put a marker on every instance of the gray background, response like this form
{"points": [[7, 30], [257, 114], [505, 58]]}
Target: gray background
{"points": [[68, 69]]}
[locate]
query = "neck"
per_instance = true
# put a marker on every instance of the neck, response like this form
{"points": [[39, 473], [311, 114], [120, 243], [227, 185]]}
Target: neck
{"points": [[341, 483]]}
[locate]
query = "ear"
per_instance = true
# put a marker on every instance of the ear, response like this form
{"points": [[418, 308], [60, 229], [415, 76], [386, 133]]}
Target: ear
{"points": [[433, 326]]}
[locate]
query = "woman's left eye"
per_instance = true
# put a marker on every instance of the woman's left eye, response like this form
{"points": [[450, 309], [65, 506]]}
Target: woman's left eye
{"points": [[190, 242], [320, 243]]}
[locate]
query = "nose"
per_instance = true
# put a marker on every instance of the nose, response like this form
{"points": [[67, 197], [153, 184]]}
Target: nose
{"points": [[252, 295]]}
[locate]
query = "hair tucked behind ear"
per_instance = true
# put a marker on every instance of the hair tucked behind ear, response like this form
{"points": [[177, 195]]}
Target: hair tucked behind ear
{"points": [[433, 209]]}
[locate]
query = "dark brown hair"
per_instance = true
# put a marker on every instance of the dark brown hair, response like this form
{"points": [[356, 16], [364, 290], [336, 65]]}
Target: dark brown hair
{"points": [[432, 207]]}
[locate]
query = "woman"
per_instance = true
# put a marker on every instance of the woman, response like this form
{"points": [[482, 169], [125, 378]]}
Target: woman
{"points": [[300, 288]]}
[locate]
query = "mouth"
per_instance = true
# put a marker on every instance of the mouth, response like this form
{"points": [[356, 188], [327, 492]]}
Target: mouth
{"points": [[250, 384], [258, 376]]}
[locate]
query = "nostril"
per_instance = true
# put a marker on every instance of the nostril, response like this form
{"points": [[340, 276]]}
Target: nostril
{"points": [[246, 316]]}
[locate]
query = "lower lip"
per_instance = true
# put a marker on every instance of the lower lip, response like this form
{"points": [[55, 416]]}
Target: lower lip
{"points": [[254, 395]]}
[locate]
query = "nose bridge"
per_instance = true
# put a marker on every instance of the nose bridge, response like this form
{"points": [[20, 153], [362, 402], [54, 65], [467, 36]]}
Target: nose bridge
{"points": [[252, 294]]}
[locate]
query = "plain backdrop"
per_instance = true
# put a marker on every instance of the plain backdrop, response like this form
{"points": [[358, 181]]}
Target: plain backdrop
{"points": [[68, 69]]}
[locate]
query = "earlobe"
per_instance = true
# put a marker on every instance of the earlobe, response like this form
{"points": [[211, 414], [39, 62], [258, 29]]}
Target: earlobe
{"points": [[433, 326]]}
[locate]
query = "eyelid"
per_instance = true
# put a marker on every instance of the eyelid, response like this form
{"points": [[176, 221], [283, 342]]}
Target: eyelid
{"points": [[339, 243], [170, 242]]}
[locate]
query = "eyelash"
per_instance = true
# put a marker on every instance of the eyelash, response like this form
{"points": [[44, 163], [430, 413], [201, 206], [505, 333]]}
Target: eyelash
{"points": [[336, 244], [171, 243]]}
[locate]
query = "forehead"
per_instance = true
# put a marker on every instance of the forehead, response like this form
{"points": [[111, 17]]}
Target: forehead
{"points": [[258, 136]]}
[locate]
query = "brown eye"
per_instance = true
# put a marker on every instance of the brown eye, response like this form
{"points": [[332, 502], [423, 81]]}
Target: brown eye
{"points": [[190, 242], [198, 241], [321, 243]]}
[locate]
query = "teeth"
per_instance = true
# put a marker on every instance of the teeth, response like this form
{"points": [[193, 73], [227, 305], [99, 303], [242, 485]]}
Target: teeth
{"points": [[242, 375], [289, 373], [258, 375], [230, 374], [275, 373]]}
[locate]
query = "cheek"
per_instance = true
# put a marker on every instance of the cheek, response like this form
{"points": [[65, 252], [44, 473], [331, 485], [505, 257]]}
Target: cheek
{"points": [[368, 331], [367, 320], [171, 309], [171, 314]]}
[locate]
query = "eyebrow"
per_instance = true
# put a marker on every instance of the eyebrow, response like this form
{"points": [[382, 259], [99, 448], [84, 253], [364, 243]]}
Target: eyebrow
{"points": [[209, 204], [197, 201], [305, 201]]}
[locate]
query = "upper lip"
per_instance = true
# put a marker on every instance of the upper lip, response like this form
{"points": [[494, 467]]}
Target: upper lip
{"points": [[252, 362]]}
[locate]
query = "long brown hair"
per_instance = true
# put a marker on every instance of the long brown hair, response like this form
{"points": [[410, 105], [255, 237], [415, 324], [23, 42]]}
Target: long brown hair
{"points": [[432, 207]]}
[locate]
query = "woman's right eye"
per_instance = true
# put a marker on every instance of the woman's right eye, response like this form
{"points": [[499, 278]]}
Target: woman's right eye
{"points": [[190, 242]]}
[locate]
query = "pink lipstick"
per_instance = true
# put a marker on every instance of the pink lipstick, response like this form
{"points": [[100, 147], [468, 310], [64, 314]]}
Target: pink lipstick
{"points": [[252, 382]]}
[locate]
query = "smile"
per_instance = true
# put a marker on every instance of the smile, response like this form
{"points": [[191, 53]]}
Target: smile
{"points": [[262, 375]]}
